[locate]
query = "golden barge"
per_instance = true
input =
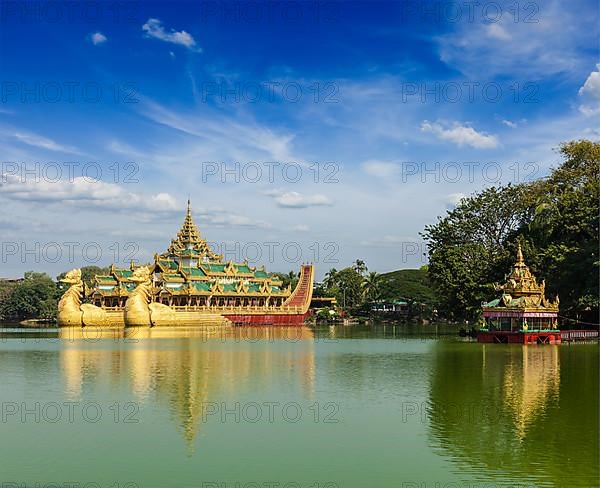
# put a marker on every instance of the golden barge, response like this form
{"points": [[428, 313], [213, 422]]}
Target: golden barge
{"points": [[188, 285]]}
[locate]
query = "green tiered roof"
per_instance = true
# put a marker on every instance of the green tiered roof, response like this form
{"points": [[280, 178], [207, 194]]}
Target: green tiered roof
{"points": [[189, 242], [190, 264]]}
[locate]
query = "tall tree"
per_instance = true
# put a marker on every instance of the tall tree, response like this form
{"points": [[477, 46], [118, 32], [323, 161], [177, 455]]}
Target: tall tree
{"points": [[467, 248], [371, 286]]}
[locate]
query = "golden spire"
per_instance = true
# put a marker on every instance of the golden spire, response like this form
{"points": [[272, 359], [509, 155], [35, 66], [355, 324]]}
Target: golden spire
{"points": [[520, 260], [189, 237]]}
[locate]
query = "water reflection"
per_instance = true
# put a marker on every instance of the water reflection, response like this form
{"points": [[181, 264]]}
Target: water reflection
{"points": [[531, 384], [502, 410], [187, 370]]}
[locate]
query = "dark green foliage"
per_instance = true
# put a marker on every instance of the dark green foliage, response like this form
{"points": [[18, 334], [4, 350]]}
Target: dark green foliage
{"points": [[555, 219], [88, 273], [289, 279], [411, 285], [34, 297]]}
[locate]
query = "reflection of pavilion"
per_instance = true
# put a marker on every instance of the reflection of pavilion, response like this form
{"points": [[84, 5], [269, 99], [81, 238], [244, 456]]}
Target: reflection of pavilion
{"points": [[188, 373], [495, 409], [530, 384]]}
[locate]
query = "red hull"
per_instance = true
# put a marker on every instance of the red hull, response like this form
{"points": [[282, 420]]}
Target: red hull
{"points": [[505, 337], [296, 319]]}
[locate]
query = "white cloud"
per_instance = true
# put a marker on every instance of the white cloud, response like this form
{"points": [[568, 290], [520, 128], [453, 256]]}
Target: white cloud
{"points": [[590, 92], [461, 135], [98, 38], [496, 31], [381, 169], [301, 228], [455, 198], [510, 123], [154, 28], [83, 191], [293, 199]]}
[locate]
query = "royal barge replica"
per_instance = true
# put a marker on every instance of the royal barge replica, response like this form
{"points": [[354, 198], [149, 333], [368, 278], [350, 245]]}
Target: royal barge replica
{"points": [[188, 285], [522, 314]]}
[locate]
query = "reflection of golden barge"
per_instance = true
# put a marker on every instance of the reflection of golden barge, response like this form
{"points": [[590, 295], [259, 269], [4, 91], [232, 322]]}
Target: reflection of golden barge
{"points": [[188, 285]]}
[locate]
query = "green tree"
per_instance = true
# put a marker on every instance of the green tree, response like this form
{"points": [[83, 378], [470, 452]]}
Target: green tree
{"points": [[330, 280], [35, 297], [347, 288], [290, 278], [371, 286], [467, 248], [360, 267], [88, 273]]}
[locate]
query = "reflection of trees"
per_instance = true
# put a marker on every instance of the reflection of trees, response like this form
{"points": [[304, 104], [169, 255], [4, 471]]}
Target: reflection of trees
{"points": [[517, 411], [187, 370]]}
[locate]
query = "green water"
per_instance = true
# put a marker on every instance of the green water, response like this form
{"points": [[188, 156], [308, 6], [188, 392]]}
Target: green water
{"points": [[327, 408]]}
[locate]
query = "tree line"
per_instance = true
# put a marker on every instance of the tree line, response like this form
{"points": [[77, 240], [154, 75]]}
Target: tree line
{"points": [[554, 218]]}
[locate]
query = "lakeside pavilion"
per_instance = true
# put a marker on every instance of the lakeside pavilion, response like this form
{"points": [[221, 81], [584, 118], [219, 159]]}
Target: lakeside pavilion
{"points": [[522, 314]]}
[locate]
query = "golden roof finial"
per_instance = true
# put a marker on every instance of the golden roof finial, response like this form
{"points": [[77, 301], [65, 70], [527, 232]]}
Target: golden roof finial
{"points": [[520, 260]]}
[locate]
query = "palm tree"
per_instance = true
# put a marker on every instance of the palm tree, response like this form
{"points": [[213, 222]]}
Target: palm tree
{"points": [[370, 285], [360, 267], [292, 278], [330, 278]]}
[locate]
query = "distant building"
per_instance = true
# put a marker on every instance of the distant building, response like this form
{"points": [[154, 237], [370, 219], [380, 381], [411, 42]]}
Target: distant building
{"points": [[393, 306], [11, 280]]}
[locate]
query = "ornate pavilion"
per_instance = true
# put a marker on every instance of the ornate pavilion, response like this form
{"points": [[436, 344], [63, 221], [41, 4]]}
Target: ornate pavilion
{"points": [[522, 313]]}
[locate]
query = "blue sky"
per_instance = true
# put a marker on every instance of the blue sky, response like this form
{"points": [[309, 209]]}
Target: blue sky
{"points": [[402, 107]]}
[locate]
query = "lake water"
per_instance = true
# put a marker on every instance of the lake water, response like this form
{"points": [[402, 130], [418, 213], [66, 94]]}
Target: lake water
{"points": [[322, 408]]}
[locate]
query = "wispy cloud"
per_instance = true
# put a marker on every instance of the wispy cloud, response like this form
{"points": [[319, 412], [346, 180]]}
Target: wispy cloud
{"points": [[154, 28], [294, 199], [461, 135], [546, 39], [98, 38], [237, 137], [36, 140]]}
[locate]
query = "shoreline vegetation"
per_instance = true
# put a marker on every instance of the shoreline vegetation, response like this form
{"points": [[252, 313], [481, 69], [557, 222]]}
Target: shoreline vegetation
{"points": [[555, 219]]}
